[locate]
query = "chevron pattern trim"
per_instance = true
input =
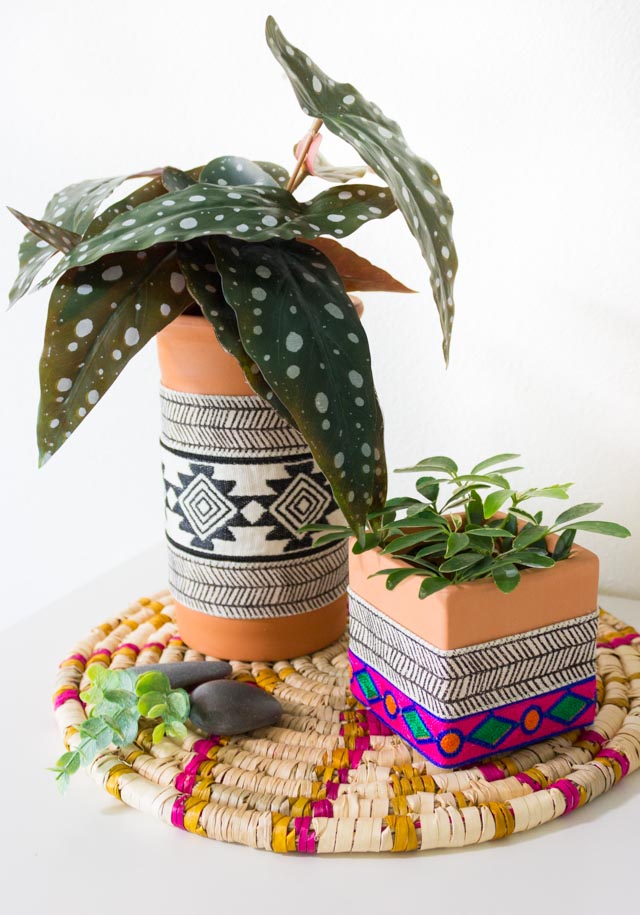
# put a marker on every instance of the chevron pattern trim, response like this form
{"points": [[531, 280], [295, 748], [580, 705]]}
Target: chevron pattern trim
{"points": [[240, 482], [469, 680], [254, 590], [239, 426]]}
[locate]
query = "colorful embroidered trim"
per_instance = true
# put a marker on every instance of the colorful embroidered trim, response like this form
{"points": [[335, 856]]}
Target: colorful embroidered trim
{"points": [[454, 742]]}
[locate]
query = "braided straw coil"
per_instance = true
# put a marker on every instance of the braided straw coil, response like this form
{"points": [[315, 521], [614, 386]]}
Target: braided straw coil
{"points": [[330, 778]]}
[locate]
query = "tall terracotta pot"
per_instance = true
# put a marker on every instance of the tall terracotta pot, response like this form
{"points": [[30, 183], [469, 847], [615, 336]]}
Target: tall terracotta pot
{"points": [[240, 482]]}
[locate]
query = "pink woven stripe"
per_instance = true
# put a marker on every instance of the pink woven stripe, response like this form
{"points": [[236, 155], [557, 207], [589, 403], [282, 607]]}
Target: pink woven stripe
{"points": [[186, 781], [491, 772], [306, 840], [610, 753], [621, 640], [322, 809], [570, 792], [159, 645], [593, 737], [67, 696], [177, 811], [331, 790], [127, 645], [527, 780]]}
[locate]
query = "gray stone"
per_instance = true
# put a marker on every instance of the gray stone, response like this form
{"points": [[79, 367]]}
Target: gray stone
{"points": [[189, 674], [227, 707]]}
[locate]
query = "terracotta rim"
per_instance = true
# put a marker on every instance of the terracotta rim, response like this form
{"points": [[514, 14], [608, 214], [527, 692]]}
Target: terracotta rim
{"points": [[477, 611], [262, 639]]}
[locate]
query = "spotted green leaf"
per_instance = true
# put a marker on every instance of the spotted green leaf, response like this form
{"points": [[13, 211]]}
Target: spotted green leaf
{"points": [[280, 174], [71, 209], [176, 180], [60, 239], [379, 140], [246, 212], [299, 325], [204, 284], [235, 171], [99, 317], [148, 191]]}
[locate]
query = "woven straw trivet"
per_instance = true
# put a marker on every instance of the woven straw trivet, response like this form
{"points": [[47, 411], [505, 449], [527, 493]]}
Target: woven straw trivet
{"points": [[330, 777]]}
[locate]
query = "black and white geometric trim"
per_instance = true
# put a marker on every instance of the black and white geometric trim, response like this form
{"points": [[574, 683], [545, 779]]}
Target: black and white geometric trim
{"points": [[254, 590], [464, 681], [240, 482], [234, 426]]}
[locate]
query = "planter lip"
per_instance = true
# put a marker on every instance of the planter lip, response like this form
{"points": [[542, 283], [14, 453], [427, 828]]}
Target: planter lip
{"points": [[579, 554], [477, 611]]}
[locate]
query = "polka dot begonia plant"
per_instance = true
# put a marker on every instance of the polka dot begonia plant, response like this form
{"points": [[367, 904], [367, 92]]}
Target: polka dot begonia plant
{"points": [[266, 269]]}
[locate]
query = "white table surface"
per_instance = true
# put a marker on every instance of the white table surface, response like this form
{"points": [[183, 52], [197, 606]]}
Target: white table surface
{"points": [[88, 852]]}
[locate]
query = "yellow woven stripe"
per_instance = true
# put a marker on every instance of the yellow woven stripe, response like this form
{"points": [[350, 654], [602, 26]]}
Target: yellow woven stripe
{"points": [[286, 672], [537, 776], [143, 601], [399, 805], [156, 605], [267, 679], [192, 810], [111, 783], [283, 839], [404, 833], [159, 620], [503, 817], [461, 800], [299, 807], [202, 788], [73, 662]]}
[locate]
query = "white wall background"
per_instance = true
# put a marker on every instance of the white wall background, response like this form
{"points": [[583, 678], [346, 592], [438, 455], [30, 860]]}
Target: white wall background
{"points": [[529, 110]]}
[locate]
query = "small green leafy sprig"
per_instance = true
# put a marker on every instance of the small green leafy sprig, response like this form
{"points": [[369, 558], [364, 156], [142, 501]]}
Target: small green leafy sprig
{"points": [[459, 537], [116, 700]]}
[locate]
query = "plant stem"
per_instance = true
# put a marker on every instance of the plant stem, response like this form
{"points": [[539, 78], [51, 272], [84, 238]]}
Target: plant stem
{"points": [[302, 155]]}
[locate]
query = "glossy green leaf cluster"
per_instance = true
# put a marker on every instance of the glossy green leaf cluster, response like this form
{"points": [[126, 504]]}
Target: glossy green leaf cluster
{"points": [[468, 526], [116, 700], [268, 270]]}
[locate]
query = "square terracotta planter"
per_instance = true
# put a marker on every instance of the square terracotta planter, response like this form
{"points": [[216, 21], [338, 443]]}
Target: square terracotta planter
{"points": [[470, 672]]}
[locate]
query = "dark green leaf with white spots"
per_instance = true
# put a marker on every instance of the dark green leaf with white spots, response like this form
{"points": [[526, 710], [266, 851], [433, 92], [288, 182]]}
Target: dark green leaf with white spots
{"points": [[60, 239], [148, 191], [243, 212], [204, 284], [298, 324], [280, 174], [232, 171], [176, 180], [99, 317], [72, 209], [380, 141]]}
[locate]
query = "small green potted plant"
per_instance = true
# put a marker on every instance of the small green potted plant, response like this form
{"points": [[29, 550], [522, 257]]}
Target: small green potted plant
{"points": [[472, 620], [246, 287]]}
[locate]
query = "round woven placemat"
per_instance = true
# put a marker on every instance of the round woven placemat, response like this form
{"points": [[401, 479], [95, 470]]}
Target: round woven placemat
{"points": [[330, 777]]}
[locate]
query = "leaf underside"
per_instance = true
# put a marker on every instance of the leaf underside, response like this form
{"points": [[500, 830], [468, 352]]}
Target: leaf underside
{"points": [[356, 272]]}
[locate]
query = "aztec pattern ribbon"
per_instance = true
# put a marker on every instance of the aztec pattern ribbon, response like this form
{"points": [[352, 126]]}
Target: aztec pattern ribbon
{"points": [[462, 705], [240, 482]]}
